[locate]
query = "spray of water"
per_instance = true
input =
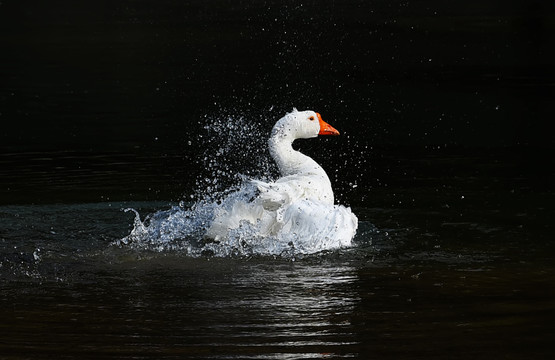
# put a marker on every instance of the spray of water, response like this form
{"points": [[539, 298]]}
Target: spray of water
{"points": [[235, 151]]}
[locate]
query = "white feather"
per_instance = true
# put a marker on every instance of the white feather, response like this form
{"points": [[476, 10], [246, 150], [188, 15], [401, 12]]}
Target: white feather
{"points": [[300, 204]]}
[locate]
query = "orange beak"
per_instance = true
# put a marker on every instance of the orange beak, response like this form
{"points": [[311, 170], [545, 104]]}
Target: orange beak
{"points": [[325, 128]]}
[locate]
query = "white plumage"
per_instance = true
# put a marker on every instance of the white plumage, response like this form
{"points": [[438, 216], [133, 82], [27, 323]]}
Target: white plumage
{"points": [[298, 207]]}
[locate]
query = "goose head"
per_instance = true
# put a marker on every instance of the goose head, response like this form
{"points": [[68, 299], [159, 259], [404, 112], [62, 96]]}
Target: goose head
{"points": [[302, 125]]}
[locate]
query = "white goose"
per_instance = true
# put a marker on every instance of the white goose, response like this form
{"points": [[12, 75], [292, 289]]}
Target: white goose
{"points": [[298, 208]]}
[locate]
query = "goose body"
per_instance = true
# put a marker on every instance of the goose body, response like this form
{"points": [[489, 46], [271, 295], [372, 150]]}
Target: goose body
{"points": [[298, 208]]}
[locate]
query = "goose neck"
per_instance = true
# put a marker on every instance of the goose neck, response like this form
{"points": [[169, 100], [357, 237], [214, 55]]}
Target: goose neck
{"points": [[287, 158]]}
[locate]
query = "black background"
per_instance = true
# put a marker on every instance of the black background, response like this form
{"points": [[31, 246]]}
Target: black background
{"points": [[110, 92]]}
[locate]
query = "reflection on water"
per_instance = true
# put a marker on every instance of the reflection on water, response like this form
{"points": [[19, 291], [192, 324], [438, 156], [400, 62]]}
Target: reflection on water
{"points": [[190, 308], [325, 307], [409, 291], [300, 312]]}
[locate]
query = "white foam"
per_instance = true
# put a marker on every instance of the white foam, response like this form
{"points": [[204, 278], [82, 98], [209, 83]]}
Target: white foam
{"points": [[230, 143], [183, 230]]}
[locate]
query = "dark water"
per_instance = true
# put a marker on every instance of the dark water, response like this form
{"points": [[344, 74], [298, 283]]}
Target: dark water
{"points": [[445, 157], [452, 266]]}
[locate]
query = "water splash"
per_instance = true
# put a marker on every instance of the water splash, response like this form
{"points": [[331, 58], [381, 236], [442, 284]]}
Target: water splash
{"points": [[182, 230], [230, 143], [234, 150]]}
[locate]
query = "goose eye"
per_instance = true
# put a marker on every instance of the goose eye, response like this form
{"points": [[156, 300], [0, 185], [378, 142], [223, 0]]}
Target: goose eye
{"points": [[311, 118]]}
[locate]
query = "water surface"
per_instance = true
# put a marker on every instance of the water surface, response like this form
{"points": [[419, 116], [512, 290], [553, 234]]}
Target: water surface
{"points": [[444, 268]]}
